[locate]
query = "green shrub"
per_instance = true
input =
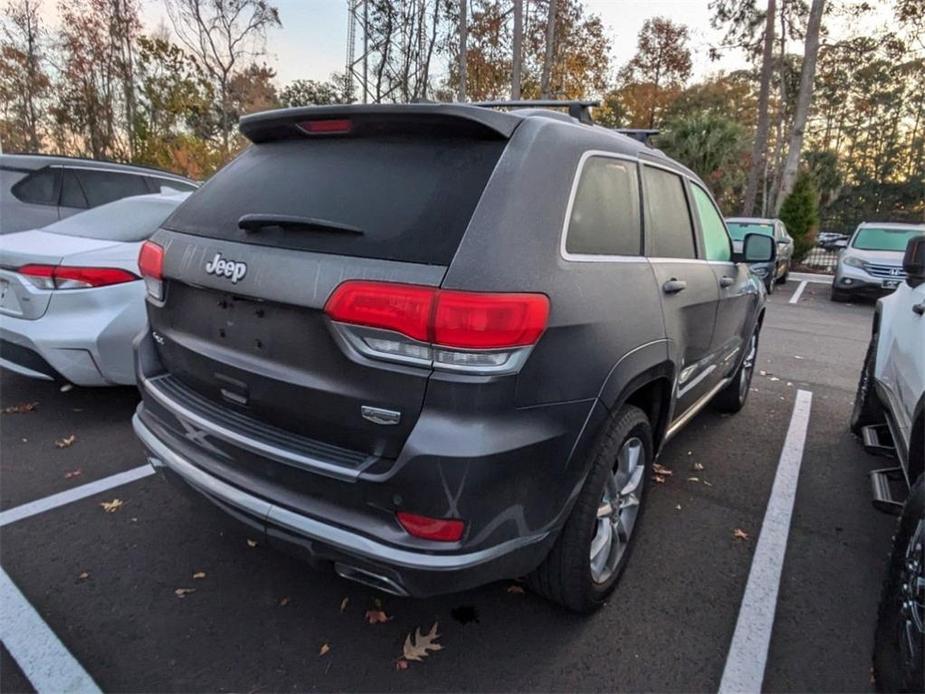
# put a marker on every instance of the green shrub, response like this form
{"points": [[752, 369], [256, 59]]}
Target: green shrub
{"points": [[800, 214]]}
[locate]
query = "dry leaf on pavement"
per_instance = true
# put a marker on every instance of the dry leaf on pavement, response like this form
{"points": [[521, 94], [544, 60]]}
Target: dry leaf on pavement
{"points": [[659, 479], [418, 646], [66, 441], [661, 470], [251, 543], [515, 589], [284, 601], [698, 466], [740, 534], [112, 506], [21, 408], [199, 574], [183, 592], [401, 664], [325, 649], [343, 604], [73, 473], [84, 575], [693, 479], [377, 617]]}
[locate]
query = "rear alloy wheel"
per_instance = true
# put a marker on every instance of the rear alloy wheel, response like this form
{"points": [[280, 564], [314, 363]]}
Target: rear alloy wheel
{"points": [[732, 398], [593, 548]]}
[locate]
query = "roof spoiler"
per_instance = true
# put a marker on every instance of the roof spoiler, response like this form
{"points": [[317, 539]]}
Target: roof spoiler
{"points": [[577, 108], [365, 119]]}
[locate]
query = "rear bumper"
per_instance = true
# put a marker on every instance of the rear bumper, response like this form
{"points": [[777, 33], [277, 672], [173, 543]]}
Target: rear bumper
{"points": [[354, 555]]}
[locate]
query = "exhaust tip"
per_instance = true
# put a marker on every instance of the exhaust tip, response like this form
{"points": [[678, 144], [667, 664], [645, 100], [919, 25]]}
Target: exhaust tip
{"points": [[369, 579]]}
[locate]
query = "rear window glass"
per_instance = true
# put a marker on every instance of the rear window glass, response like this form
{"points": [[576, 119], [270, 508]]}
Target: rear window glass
{"points": [[127, 220], [874, 239], [605, 214], [101, 187], [411, 198], [739, 230]]}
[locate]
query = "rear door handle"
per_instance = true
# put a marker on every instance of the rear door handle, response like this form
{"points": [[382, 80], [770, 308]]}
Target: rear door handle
{"points": [[726, 281], [919, 309], [673, 286]]}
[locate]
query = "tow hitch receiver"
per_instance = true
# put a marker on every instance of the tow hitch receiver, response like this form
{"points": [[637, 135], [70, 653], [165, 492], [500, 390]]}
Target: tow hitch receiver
{"points": [[880, 483]]}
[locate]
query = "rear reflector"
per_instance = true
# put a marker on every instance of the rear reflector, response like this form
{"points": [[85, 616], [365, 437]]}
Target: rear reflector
{"points": [[444, 318], [330, 126], [74, 277], [440, 529], [151, 265]]}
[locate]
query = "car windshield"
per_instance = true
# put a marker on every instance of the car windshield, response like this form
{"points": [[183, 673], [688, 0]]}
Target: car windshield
{"points": [[885, 239], [126, 220], [738, 230]]}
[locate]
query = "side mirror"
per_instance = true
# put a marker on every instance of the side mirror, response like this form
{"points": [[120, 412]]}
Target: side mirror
{"points": [[914, 261], [757, 248]]}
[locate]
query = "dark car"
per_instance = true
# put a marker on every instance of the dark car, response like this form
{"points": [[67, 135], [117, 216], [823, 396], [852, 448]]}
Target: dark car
{"points": [[37, 190], [439, 345]]}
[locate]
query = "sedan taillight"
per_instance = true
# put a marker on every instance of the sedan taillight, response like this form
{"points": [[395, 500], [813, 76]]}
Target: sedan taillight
{"points": [[151, 265], [448, 329], [74, 277]]}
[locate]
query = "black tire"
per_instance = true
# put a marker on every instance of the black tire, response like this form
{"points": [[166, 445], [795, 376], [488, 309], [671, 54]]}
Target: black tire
{"points": [[769, 286], [783, 278], [867, 408], [565, 576], [732, 398], [839, 296], [899, 663]]}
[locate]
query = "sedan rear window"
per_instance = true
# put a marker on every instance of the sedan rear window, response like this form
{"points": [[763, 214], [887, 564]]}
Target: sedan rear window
{"points": [[127, 220], [397, 198]]}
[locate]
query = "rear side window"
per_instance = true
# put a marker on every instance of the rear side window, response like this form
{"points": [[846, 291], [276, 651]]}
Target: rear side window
{"points": [[72, 195], [38, 188], [101, 187], [168, 185], [604, 218], [668, 220], [405, 198], [715, 238]]}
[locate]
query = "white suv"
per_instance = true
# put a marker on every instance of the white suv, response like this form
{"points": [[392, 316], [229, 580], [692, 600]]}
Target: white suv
{"points": [[889, 414]]}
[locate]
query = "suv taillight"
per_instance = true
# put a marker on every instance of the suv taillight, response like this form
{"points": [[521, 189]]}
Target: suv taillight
{"points": [[151, 265], [465, 331], [74, 277]]}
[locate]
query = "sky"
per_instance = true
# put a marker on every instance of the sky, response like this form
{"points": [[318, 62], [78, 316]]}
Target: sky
{"points": [[312, 41]]}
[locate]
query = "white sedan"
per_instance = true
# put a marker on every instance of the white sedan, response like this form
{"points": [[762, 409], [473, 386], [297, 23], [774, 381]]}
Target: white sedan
{"points": [[71, 297]]}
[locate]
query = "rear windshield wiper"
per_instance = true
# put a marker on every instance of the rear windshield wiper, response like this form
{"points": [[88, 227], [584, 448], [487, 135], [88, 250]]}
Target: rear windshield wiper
{"points": [[256, 222]]}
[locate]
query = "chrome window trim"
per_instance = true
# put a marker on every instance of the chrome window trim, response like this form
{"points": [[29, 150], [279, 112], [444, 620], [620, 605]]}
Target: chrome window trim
{"points": [[161, 176], [576, 178]]}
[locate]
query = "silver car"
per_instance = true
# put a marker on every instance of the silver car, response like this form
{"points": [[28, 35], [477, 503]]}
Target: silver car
{"points": [[871, 265], [71, 296], [36, 189]]}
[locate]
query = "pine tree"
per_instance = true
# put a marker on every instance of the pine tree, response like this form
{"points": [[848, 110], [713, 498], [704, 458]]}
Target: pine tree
{"points": [[800, 214]]}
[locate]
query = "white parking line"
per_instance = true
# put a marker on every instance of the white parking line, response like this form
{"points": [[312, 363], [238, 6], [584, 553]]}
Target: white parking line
{"points": [[798, 293], [41, 656], [748, 652], [49, 502]]}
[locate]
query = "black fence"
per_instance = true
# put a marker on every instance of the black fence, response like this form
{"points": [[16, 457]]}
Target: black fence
{"points": [[821, 259]]}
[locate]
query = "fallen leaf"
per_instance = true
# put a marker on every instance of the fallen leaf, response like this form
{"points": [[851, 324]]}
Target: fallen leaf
{"points": [[84, 575], [284, 601], [418, 646], [183, 592], [66, 387], [678, 507], [66, 441], [251, 543], [708, 484], [763, 373], [72, 474], [693, 479], [199, 574], [796, 356], [343, 604], [21, 408], [401, 664], [377, 617], [774, 378], [740, 534], [325, 649], [698, 466], [661, 470], [112, 506], [514, 588], [659, 479]]}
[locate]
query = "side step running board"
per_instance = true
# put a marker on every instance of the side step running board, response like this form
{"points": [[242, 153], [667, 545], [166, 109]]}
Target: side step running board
{"points": [[878, 440], [880, 488]]}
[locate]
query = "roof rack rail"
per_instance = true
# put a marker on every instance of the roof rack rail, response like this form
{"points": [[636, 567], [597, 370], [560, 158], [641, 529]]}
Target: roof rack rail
{"points": [[642, 135], [579, 109]]}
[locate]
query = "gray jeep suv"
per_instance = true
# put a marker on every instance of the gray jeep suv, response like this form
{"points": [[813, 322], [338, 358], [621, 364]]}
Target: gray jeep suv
{"points": [[434, 346]]}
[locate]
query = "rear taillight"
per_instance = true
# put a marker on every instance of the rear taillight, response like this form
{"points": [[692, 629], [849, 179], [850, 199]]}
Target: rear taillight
{"points": [[74, 277], [151, 265], [465, 331], [440, 529]]}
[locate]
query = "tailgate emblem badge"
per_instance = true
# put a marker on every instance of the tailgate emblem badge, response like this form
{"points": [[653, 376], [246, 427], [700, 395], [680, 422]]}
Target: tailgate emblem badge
{"points": [[232, 269], [377, 415]]}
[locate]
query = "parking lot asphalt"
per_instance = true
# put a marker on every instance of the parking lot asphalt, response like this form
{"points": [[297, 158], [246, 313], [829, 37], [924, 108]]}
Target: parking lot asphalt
{"points": [[105, 583]]}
